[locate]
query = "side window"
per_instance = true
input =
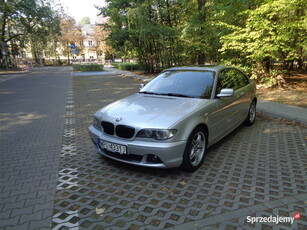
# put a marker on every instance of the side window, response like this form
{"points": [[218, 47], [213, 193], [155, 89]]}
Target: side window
{"points": [[240, 79], [231, 78], [225, 80]]}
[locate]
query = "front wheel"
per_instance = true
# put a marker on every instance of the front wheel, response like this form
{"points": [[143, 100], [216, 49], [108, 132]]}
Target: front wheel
{"points": [[195, 150], [251, 114]]}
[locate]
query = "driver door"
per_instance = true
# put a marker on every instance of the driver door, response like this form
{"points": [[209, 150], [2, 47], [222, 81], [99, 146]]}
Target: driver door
{"points": [[225, 118]]}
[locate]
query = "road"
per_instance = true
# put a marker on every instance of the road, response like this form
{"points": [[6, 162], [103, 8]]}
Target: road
{"points": [[51, 176], [32, 110]]}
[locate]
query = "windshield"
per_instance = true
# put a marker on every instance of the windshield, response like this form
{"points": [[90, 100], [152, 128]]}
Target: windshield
{"points": [[183, 83]]}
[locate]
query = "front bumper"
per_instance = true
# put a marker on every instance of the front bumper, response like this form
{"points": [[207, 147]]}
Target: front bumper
{"points": [[142, 153]]}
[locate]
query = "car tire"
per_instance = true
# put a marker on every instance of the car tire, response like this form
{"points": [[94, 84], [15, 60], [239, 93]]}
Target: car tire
{"points": [[195, 150], [251, 117]]}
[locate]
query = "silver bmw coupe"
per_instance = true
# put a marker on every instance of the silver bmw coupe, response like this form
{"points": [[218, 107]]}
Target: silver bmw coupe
{"points": [[172, 120]]}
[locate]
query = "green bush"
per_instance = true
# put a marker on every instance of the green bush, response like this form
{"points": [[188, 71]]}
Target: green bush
{"points": [[88, 67], [115, 65], [128, 66]]}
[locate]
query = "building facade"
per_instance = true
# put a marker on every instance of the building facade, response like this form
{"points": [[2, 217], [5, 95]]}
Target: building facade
{"points": [[89, 50]]}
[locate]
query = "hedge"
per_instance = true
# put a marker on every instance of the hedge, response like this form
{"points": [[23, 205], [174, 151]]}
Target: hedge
{"points": [[128, 66], [88, 67]]}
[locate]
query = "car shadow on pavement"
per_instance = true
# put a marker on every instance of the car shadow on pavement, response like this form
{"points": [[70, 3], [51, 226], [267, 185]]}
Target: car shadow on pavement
{"points": [[141, 169]]}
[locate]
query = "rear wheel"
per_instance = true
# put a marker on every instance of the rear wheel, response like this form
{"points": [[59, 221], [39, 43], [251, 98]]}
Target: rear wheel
{"points": [[251, 114], [195, 150]]}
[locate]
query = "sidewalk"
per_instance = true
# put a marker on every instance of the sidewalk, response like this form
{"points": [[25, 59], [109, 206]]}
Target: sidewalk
{"points": [[125, 73], [278, 110], [11, 75], [273, 109]]}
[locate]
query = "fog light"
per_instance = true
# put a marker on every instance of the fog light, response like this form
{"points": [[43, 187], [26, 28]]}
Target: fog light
{"points": [[153, 159]]}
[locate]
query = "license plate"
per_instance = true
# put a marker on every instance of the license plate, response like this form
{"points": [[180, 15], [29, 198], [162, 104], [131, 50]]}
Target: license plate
{"points": [[112, 147]]}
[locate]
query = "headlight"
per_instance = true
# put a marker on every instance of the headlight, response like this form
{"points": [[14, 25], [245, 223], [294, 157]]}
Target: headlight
{"points": [[96, 123], [157, 134]]}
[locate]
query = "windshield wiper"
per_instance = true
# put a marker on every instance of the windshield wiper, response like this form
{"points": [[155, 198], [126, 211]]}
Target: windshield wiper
{"points": [[166, 94], [175, 95], [148, 92]]}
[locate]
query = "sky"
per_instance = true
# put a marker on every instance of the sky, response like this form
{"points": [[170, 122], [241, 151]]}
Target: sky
{"points": [[82, 8]]}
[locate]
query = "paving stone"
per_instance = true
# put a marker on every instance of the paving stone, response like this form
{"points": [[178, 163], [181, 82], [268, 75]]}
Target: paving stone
{"points": [[254, 170], [31, 129], [18, 227], [9, 222]]}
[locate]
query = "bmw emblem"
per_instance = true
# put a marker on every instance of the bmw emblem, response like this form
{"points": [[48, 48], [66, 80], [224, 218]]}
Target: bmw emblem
{"points": [[119, 119]]}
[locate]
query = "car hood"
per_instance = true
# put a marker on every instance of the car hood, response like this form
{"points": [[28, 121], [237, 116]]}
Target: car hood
{"points": [[150, 111]]}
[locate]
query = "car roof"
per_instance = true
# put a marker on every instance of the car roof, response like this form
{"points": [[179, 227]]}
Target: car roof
{"points": [[214, 68]]}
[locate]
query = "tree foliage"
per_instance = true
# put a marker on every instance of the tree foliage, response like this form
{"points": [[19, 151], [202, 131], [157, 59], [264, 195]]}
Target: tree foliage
{"points": [[273, 32], [100, 35], [85, 20], [252, 33], [70, 33], [147, 29], [27, 22]]}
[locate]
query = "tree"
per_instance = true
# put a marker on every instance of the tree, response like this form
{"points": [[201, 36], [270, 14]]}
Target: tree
{"points": [[100, 37], [70, 32], [85, 20], [274, 32], [146, 29], [251, 33], [163, 33], [23, 22]]}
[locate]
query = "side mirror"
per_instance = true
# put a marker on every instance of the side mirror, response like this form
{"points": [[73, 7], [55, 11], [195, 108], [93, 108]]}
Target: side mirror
{"points": [[226, 93], [141, 86]]}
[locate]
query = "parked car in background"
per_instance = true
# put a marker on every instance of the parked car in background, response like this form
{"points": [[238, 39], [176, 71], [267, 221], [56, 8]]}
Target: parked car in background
{"points": [[172, 120]]}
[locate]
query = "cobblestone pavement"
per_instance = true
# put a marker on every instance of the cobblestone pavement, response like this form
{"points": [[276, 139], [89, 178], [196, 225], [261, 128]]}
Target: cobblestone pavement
{"points": [[32, 109], [255, 171]]}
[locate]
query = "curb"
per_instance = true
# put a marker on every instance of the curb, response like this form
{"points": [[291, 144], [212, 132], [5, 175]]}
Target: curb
{"points": [[93, 73], [14, 73], [283, 111], [280, 116], [125, 73]]}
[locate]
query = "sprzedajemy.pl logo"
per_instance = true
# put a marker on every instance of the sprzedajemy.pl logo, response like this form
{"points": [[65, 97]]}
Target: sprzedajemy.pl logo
{"points": [[273, 219]]}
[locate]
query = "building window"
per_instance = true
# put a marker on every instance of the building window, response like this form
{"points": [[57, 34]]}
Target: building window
{"points": [[90, 43]]}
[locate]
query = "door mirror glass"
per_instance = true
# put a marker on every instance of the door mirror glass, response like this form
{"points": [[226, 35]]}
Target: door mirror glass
{"points": [[226, 93]]}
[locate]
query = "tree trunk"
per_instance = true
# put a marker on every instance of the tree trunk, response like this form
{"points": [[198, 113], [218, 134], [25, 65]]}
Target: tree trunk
{"points": [[267, 65], [4, 18], [201, 57], [299, 64], [2, 39]]}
